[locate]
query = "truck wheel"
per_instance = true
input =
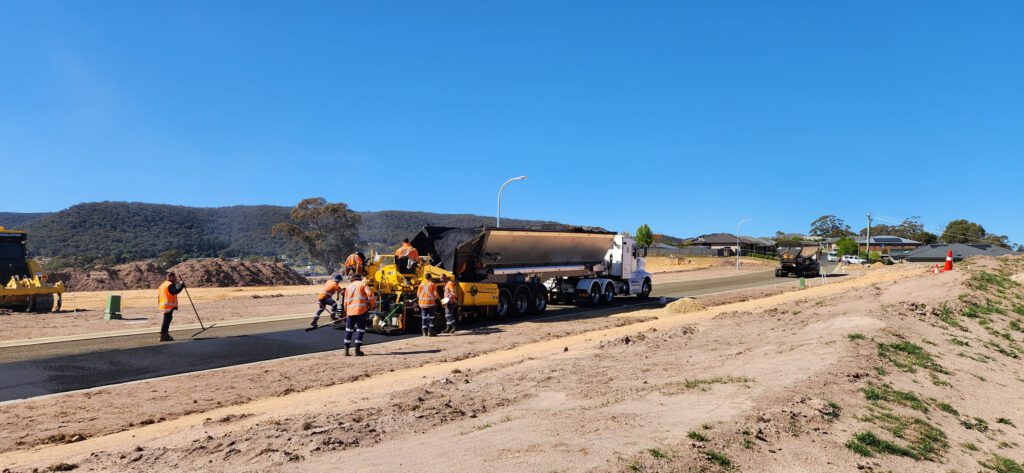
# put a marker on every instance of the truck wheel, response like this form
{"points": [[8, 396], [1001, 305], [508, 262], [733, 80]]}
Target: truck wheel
{"points": [[521, 300], [504, 303], [42, 304], [609, 294], [539, 301], [645, 290], [593, 296]]}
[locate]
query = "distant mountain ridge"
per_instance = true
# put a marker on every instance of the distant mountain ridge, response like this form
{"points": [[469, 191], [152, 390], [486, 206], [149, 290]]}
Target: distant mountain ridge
{"points": [[127, 231]]}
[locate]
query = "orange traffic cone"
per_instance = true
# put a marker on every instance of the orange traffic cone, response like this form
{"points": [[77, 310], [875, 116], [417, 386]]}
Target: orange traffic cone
{"points": [[949, 261]]}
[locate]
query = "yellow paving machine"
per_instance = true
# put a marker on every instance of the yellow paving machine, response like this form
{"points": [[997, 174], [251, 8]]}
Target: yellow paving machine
{"points": [[23, 286]]}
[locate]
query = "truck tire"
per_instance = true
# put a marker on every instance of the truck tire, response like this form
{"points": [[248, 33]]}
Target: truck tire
{"points": [[593, 296], [609, 293], [504, 303], [645, 289], [521, 300], [42, 304], [539, 301]]}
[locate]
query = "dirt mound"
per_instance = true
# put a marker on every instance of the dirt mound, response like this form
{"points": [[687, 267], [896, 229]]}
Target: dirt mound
{"points": [[197, 273], [231, 273], [135, 275], [685, 305]]}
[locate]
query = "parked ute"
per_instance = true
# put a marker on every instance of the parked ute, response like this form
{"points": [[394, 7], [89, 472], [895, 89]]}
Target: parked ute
{"points": [[851, 259], [833, 256]]}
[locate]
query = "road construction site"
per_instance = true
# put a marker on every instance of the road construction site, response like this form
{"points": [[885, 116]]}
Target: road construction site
{"points": [[795, 380], [29, 368]]}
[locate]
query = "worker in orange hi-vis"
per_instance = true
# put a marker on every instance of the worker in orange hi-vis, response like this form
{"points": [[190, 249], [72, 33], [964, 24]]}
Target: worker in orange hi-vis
{"points": [[326, 299], [168, 302], [353, 264], [406, 256], [450, 302], [428, 300], [358, 302]]}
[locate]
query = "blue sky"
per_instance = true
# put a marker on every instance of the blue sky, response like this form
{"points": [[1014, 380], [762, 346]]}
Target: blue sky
{"points": [[688, 116]]}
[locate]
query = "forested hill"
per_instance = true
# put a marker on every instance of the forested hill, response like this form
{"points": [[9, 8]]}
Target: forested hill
{"points": [[126, 231]]}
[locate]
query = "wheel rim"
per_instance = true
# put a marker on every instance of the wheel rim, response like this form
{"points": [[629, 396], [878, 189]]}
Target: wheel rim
{"points": [[646, 289], [502, 308], [609, 293], [522, 303], [595, 293], [540, 300]]}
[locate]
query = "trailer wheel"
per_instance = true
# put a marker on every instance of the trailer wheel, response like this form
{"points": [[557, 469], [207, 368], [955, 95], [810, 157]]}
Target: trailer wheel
{"points": [[609, 294], [504, 303], [539, 301], [645, 289], [521, 300]]}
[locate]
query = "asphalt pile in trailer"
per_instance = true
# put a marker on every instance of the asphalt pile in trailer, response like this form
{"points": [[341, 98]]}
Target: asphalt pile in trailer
{"points": [[196, 273]]}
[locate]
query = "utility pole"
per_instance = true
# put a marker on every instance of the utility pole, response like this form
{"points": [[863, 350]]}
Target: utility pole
{"points": [[868, 241]]}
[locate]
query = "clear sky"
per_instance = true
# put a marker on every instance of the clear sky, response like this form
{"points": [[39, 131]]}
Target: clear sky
{"points": [[686, 115]]}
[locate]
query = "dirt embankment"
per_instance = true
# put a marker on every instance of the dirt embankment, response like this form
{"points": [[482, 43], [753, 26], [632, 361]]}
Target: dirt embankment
{"points": [[196, 273]]}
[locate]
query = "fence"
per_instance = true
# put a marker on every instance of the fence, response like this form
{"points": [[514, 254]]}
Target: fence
{"points": [[686, 251]]}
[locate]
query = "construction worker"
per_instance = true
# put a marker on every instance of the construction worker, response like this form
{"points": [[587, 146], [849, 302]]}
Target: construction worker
{"points": [[428, 299], [354, 264], [358, 301], [406, 256], [452, 304], [326, 298], [168, 302]]}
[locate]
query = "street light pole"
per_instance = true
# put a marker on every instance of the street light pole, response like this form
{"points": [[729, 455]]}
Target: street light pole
{"points": [[738, 248], [498, 222]]}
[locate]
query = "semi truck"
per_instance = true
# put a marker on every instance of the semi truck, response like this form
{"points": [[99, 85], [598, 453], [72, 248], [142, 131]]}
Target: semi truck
{"points": [[799, 260], [23, 285], [501, 272]]}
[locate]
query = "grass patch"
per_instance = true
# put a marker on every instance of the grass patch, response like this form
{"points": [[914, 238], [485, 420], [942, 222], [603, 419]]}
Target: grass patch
{"points": [[718, 458], [657, 454], [936, 380], [946, 315], [881, 370], [1018, 309], [885, 392], [856, 336], [969, 446], [1000, 464], [909, 356], [920, 439], [636, 467], [1005, 421], [975, 424], [948, 409], [747, 443], [1002, 350], [1015, 326], [833, 411], [694, 435], [704, 383], [958, 342]]}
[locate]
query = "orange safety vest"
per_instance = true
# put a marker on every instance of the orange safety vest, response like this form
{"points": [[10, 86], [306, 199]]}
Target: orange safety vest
{"points": [[449, 292], [407, 251], [358, 298], [353, 261], [427, 294], [168, 301], [330, 288]]}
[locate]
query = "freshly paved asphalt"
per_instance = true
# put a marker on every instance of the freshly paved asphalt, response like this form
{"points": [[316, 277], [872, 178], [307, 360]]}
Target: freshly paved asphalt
{"points": [[35, 370]]}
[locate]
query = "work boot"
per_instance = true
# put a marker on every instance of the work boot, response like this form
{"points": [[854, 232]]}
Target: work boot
{"points": [[431, 333], [166, 338], [346, 351], [313, 324], [425, 333], [450, 329], [359, 352]]}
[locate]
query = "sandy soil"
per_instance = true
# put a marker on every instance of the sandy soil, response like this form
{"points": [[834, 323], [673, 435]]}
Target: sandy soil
{"points": [[82, 312], [664, 264]]}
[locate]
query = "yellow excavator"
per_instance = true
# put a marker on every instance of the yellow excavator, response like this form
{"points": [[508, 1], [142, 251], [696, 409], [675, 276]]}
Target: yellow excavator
{"points": [[23, 285]]}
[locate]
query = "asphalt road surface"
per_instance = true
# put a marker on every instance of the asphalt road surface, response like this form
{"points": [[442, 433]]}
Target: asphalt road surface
{"points": [[36, 370]]}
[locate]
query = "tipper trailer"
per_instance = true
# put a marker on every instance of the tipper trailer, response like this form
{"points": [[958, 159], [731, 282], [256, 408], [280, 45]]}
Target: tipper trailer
{"points": [[501, 272], [799, 260]]}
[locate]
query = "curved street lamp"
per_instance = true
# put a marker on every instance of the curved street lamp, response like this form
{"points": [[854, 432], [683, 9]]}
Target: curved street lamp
{"points": [[520, 178]]}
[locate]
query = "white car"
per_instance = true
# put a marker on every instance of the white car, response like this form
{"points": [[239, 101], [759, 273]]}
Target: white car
{"points": [[851, 259], [833, 256]]}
